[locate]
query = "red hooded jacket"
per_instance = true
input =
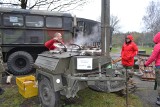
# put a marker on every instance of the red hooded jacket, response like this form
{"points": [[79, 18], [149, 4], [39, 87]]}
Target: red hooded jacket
{"points": [[50, 44], [128, 52], [155, 56]]}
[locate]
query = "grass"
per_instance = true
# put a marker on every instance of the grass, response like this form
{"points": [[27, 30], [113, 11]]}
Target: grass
{"points": [[147, 49], [98, 99], [12, 98], [115, 50], [89, 98]]}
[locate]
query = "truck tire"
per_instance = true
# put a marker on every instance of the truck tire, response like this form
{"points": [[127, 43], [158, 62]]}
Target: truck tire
{"points": [[20, 63], [48, 97]]}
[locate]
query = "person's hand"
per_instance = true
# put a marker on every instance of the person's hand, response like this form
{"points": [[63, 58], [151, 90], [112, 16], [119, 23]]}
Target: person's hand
{"points": [[58, 41]]}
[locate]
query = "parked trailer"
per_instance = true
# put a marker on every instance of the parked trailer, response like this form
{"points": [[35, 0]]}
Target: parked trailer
{"points": [[65, 73]]}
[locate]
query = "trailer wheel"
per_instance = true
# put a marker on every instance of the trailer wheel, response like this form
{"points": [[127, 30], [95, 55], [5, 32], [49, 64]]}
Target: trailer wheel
{"points": [[48, 97], [110, 86], [100, 86], [20, 63]]}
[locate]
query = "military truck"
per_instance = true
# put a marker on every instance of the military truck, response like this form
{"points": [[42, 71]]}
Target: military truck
{"points": [[65, 73], [24, 32]]}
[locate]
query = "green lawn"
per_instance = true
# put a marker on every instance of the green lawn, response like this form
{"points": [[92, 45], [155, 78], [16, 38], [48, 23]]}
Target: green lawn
{"points": [[116, 50], [147, 49], [92, 98]]}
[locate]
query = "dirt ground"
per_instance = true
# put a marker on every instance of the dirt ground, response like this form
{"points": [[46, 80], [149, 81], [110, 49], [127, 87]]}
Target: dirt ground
{"points": [[145, 91]]}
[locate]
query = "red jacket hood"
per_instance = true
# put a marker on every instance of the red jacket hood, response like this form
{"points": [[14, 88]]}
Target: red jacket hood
{"points": [[156, 38], [130, 37]]}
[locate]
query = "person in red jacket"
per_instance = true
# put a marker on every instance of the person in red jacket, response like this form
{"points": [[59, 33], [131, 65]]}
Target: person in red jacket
{"points": [[129, 50], [52, 44], [155, 57]]}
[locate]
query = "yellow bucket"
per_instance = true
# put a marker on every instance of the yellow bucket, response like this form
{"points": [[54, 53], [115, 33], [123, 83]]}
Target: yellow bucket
{"points": [[27, 86]]}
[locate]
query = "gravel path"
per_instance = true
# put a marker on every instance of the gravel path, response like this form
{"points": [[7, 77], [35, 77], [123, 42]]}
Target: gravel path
{"points": [[146, 92]]}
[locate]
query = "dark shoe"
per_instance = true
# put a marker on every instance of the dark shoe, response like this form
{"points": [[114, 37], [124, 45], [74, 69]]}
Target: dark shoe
{"points": [[158, 101], [1, 91]]}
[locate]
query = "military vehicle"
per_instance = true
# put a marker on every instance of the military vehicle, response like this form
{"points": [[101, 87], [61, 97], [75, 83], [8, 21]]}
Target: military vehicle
{"points": [[24, 32], [65, 73], [62, 73]]}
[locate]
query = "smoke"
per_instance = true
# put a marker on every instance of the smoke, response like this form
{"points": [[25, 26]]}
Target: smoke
{"points": [[94, 36]]}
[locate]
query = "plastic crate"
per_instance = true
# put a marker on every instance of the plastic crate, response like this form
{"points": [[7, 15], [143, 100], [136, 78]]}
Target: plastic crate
{"points": [[27, 86]]}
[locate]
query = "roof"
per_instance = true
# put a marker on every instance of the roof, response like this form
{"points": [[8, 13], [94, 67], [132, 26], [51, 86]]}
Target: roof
{"points": [[36, 12]]}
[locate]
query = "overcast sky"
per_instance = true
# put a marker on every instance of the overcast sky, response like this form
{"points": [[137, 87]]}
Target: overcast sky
{"points": [[129, 12]]}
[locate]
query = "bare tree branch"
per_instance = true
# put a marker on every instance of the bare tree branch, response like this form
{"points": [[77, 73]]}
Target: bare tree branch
{"points": [[38, 3], [51, 4], [57, 5], [68, 4], [152, 17], [114, 23], [73, 8]]}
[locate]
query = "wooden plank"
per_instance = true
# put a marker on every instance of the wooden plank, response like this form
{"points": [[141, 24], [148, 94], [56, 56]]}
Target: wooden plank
{"points": [[148, 72]]}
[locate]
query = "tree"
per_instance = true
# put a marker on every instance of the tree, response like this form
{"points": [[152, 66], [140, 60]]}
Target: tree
{"points": [[114, 23], [56, 5], [152, 17], [141, 39], [23, 4], [118, 39]]}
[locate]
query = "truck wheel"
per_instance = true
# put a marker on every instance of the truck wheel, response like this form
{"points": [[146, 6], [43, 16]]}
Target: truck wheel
{"points": [[48, 97], [20, 63]]}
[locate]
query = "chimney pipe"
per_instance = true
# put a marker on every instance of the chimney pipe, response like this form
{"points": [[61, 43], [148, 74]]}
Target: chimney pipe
{"points": [[105, 27]]}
